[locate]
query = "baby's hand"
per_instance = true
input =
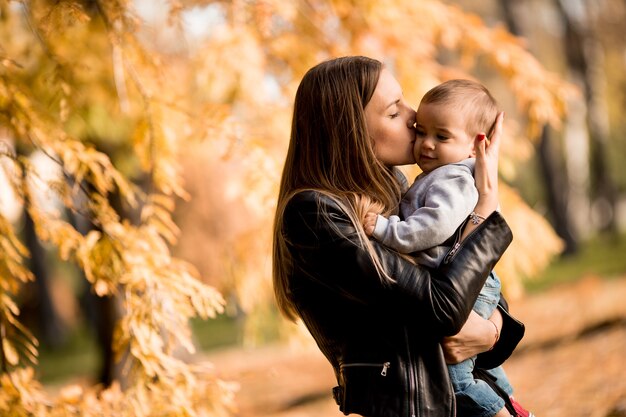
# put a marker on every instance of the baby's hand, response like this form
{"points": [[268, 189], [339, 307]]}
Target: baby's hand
{"points": [[370, 223]]}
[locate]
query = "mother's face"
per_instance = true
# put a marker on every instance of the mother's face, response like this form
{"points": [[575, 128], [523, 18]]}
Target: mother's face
{"points": [[390, 122]]}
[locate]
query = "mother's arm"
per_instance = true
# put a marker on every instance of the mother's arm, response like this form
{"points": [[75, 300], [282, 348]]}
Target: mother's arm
{"points": [[330, 250], [492, 340], [477, 335]]}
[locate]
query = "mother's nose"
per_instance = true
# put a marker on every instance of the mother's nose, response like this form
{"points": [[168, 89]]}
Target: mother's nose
{"points": [[410, 121]]}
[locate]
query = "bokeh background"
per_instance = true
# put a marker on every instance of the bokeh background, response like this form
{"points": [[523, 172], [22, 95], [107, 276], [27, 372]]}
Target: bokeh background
{"points": [[141, 144]]}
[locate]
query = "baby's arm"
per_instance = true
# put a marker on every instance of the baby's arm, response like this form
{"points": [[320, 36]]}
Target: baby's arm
{"points": [[448, 197]]}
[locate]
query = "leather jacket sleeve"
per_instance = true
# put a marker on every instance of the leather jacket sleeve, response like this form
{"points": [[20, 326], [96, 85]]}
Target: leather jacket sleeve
{"points": [[511, 334], [325, 247]]}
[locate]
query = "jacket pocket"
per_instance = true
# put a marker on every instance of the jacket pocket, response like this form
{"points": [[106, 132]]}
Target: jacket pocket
{"points": [[363, 387]]}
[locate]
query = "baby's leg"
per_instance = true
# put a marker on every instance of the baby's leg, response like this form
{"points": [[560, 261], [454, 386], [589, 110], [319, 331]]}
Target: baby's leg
{"points": [[461, 375], [503, 413], [501, 379], [474, 397]]}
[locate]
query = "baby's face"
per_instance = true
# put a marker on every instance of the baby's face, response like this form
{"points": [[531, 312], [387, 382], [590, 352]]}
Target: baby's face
{"points": [[441, 138]]}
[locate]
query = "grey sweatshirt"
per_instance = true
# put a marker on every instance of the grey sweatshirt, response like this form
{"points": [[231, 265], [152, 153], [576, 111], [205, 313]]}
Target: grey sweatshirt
{"points": [[433, 208]]}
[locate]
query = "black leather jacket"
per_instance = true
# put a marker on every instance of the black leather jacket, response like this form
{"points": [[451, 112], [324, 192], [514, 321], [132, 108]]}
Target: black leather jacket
{"points": [[383, 338]]}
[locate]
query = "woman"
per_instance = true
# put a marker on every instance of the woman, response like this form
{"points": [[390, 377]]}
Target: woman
{"points": [[378, 318]]}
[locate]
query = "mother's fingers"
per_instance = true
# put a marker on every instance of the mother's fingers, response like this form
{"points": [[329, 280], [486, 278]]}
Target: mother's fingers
{"points": [[486, 169], [480, 145], [496, 136]]}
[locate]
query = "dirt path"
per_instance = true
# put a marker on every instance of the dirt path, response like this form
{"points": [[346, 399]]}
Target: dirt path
{"points": [[571, 363]]}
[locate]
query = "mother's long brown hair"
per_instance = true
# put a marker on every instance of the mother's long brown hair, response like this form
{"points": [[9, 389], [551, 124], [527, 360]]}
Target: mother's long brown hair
{"points": [[331, 151]]}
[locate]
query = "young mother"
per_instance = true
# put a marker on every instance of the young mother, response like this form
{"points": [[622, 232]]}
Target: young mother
{"points": [[379, 319]]}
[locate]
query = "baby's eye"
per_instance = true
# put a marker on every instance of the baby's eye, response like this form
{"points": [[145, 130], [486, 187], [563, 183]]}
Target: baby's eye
{"points": [[420, 132], [442, 137]]}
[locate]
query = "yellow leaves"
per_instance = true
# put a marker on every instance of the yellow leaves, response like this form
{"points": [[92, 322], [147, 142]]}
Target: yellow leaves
{"points": [[9, 352], [86, 163], [12, 251], [131, 260], [49, 227], [158, 214], [9, 63], [17, 342], [140, 141], [155, 149], [160, 293], [226, 77], [64, 106], [540, 94], [21, 394], [101, 262], [534, 244], [71, 394], [9, 305], [63, 13], [146, 346], [207, 302], [415, 32]]}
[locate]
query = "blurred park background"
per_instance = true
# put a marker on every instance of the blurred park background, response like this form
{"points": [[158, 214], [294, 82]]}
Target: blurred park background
{"points": [[141, 144]]}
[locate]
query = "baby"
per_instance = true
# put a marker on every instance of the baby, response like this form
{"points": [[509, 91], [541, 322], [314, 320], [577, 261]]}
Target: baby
{"points": [[438, 202]]}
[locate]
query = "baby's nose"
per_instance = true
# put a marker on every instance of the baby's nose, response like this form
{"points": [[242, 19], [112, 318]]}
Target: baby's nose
{"points": [[428, 143]]}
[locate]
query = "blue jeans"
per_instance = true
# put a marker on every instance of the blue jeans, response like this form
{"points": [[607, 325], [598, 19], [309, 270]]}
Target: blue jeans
{"points": [[475, 397]]}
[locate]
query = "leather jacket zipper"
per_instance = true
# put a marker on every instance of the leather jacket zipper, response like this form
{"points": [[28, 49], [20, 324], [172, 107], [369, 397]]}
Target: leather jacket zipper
{"points": [[413, 400], [452, 252], [384, 366], [457, 242]]}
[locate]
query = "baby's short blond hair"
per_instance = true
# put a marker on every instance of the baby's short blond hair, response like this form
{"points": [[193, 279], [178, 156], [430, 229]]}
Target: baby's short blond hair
{"points": [[470, 97]]}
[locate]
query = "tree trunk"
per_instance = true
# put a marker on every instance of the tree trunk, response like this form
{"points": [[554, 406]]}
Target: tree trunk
{"points": [[585, 56], [556, 192], [100, 312], [555, 177], [38, 305], [51, 329]]}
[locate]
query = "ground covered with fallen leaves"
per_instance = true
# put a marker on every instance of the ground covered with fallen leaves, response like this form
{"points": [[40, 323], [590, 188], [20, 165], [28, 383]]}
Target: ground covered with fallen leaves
{"points": [[571, 363]]}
